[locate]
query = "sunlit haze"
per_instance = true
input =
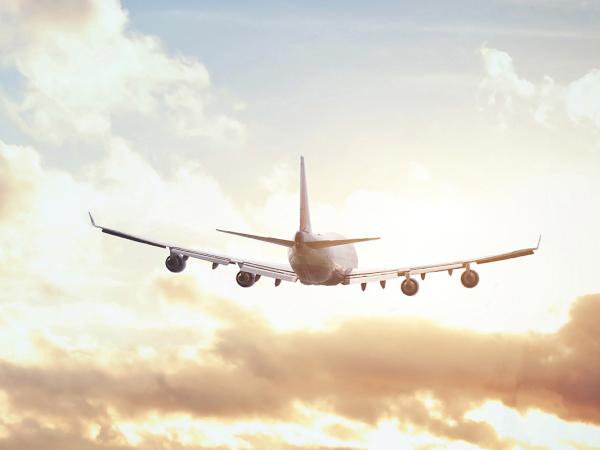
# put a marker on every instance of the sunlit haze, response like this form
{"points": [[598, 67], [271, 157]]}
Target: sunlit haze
{"points": [[449, 129]]}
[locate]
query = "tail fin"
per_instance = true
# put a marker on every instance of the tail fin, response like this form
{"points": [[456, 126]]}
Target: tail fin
{"points": [[304, 211]]}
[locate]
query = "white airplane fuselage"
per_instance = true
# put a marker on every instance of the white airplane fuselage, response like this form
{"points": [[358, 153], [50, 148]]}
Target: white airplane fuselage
{"points": [[324, 266]]}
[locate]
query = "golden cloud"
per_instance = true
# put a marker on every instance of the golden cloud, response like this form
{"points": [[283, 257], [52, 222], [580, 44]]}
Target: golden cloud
{"points": [[366, 369]]}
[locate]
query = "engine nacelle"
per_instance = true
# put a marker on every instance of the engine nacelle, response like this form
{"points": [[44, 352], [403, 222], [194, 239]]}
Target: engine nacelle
{"points": [[469, 278], [410, 287], [175, 263], [245, 279]]}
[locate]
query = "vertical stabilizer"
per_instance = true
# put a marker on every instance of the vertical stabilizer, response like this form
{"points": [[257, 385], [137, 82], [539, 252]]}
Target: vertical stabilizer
{"points": [[304, 212]]}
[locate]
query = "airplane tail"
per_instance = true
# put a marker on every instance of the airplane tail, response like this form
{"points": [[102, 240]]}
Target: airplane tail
{"points": [[305, 217], [304, 211], [304, 224]]}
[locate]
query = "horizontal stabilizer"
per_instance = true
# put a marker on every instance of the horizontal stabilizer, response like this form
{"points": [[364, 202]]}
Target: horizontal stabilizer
{"points": [[271, 240], [334, 242]]}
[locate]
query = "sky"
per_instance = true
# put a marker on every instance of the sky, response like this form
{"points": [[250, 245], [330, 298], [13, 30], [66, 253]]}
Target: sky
{"points": [[450, 129]]}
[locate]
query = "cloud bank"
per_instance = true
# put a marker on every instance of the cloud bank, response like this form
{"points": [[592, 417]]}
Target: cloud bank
{"points": [[424, 375]]}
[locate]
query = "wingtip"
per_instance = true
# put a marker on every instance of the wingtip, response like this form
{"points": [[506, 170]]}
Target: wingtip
{"points": [[92, 220]]}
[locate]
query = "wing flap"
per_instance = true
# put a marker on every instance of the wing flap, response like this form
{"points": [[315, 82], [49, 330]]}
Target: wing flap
{"points": [[272, 272], [357, 276], [218, 259], [435, 268]]}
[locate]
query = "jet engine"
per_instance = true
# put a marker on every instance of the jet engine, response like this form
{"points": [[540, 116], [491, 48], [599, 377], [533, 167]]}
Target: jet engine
{"points": [[245, 279], [469, 278], [176, 263], [409, 287]]}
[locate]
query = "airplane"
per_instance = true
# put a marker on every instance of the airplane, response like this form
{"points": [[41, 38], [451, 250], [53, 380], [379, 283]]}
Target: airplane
{"points": [[317, 259]]}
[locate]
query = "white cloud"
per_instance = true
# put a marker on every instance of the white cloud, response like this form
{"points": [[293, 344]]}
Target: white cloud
{"points": [[537, 428], [550, 99], [583, 98], [46, 241], [579, 100], [84, 71], [60, 276], [502, 79]]}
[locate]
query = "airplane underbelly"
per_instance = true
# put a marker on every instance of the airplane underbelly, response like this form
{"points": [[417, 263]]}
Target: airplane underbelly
{"points": [[315, 267]]}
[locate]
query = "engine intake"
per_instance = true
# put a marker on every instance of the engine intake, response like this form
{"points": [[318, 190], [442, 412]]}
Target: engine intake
{"points": [[175, 263], [245, 279], [410, 287], [469, 278]]}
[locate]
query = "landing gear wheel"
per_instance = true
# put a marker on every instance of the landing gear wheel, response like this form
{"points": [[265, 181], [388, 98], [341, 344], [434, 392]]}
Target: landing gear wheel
{"points": [[175, 263], [409, 287], [245, 279], [469, 278]]}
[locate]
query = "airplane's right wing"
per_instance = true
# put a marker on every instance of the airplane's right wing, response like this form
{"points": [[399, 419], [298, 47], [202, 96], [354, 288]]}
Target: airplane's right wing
{"points": [[178, 256], [469, 278]]}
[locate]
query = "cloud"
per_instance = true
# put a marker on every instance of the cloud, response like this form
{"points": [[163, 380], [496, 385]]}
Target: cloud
{"points": [[502, 78], [31, 434], [583, 98], [49, 13], [85, 72], [65, 281], [19, 167], [371, 362], [578, 100], [366, 370]]}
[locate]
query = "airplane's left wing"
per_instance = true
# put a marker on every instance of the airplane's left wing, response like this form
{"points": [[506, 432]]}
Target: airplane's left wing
{"points": [[410, 286], [178, 256]]}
